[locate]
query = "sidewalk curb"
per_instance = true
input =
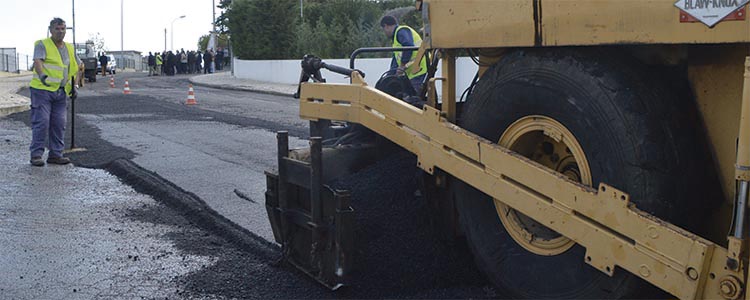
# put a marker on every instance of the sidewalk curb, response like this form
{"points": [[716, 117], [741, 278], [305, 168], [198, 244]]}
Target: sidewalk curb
{"points": [[4, 111], [238, 88], [15, 75]]}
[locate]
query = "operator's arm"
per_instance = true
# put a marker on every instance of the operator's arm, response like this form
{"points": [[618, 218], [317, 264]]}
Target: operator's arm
{"points": [[39, 55], [405, 39], [38, 66]]}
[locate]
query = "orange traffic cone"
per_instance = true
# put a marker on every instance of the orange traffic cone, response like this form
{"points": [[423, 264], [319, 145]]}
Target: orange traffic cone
{"points": [[111, 81], [191, 96], [126, 90]]}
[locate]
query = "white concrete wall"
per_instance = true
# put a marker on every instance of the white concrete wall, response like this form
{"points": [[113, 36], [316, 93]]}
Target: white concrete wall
{"points": [[288, 71]]}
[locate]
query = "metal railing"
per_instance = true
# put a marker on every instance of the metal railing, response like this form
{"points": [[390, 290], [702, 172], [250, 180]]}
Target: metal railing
{"points": [[13, 62]]}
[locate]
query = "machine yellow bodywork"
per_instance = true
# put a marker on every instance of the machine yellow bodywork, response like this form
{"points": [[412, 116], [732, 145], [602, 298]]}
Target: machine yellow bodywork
{"points": [[613, 231], [528, 23]]}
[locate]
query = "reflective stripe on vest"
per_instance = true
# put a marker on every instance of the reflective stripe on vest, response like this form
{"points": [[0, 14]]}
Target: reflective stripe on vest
{"points": [[54, 69], [417, 42], [49, 80]]}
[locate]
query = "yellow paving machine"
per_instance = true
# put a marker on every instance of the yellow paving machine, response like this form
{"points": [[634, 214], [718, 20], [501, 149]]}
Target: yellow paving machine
{"points": [[603, 148]]}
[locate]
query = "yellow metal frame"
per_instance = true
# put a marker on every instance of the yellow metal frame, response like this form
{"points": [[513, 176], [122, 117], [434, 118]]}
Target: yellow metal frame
{"points": [[612, 230], [742, 167], [717, 84]]}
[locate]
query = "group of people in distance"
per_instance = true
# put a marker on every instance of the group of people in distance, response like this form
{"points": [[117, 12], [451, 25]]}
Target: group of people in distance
{"points": [[191, 62]]}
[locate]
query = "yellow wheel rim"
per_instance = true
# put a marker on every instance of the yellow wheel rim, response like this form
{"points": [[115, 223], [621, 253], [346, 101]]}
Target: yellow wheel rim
{"points": [[549, 143]]}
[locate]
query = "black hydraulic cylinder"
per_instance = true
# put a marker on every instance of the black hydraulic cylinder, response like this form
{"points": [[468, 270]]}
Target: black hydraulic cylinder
{"points": [[341, 70]]}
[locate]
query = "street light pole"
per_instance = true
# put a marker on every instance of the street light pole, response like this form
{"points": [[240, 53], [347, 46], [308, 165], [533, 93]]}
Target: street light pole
{"points": [[165, 39], [172, 31]]}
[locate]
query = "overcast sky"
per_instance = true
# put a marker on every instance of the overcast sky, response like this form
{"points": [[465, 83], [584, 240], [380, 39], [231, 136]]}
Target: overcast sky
{"points": [[25, 21]]}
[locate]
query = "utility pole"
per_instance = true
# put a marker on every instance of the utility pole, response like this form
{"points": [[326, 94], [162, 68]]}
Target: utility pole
{"points": [[213, 36], [74, 25], [122, 37], [73, 102], [165, 39]]}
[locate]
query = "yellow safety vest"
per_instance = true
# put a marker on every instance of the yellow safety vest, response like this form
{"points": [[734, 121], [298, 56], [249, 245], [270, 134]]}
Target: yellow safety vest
{"points": [[54, 69], [417, 42]]}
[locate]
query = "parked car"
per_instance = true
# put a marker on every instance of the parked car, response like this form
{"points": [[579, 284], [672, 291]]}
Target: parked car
{"points": [[111, 65]]}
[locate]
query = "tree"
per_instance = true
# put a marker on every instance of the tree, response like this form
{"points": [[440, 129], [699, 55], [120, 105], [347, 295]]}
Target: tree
{"points": [[262, 29], [222, 40], [98, 41], [222, 22], [305, 37], [272, 29]]}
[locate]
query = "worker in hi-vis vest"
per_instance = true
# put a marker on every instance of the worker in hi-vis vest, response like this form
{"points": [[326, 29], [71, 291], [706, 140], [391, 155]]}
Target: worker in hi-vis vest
{"points": [[55, 70], [405, 36]]}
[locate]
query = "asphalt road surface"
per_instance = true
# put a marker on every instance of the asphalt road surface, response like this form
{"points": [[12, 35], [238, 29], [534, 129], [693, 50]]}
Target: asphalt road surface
{"points": [[204, 152], [223, 143]]}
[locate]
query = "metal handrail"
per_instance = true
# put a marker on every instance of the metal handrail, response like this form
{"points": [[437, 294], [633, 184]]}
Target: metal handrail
{"points": [[377, 49]]}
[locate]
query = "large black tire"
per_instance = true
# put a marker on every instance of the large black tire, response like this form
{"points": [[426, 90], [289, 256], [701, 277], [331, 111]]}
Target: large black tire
{"points": [[91, 75], [636, 135]]}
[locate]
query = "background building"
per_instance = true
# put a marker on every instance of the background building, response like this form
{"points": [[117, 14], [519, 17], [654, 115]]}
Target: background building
{"points": [[130, 59]]}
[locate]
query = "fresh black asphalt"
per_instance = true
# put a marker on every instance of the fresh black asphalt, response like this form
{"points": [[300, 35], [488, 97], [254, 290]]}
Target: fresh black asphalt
{"points": [[398, 252]]}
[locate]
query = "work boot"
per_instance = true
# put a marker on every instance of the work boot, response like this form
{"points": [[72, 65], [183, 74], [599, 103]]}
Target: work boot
{"points": [[58, 160], [37, 161]]}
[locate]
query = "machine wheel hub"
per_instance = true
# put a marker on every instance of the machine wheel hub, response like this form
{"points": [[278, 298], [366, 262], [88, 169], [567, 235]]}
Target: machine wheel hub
{"points": [[550, 144]]}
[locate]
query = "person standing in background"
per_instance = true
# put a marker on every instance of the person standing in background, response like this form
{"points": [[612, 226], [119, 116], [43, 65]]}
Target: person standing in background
{"points": [[159, 62], [151, 64], [103, 60], [198, 60], [183, 62], [207, 62], [190, 62], [219, 61]]}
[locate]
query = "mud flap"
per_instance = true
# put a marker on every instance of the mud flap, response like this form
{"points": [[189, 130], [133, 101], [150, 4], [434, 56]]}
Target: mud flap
{"points": [[312, 222]]}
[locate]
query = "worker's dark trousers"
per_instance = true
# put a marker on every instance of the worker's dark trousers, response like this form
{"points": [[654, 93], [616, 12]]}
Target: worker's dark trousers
{"points": [[48, 116]]}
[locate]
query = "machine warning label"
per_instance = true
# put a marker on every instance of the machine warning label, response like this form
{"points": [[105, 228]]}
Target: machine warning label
{"points": [[710, 12]]}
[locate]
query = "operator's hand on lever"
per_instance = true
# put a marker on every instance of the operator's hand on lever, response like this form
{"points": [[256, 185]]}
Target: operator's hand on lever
{"points": [[401, 70]]}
